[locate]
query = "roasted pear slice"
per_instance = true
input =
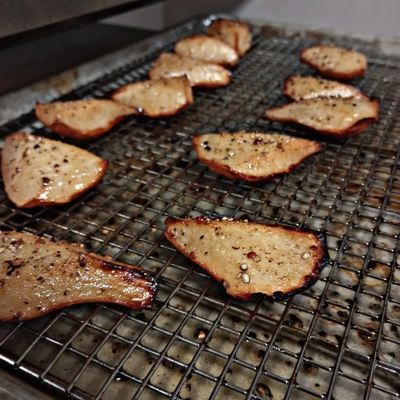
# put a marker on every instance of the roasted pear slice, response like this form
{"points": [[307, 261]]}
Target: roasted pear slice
{"points": [[39, 275], [207, 48], [330, 116], [44, 172], [308, 87], [82, 119], [236, 34], [335, 62], [250, 258], [156, 98], [252, 156], [199, 73]]}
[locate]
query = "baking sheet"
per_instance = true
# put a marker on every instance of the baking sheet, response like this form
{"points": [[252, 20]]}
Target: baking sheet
{"points": [[339, 339]]}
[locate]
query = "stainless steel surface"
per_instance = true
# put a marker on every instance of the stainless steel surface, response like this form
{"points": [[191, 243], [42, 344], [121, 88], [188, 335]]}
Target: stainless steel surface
{"points": [[339, 339], [14, 388], [35, 60], [20, 16]]}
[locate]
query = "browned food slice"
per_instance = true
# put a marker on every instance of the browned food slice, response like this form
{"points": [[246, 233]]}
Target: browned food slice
{"points": [[38, 275], [156, 98], [335, 62], [250, 258], [331, 116], [236, 34], [207, 48], [308, 87], [44, 172], [252, 156], [82, 119], [199, 73]]}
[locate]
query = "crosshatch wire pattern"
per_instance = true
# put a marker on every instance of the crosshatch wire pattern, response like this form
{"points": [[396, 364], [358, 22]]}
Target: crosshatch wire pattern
{"points": [[338, 339]]}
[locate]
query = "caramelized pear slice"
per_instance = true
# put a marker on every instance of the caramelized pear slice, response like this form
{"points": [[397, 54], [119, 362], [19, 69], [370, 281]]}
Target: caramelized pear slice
{"points": [[250, 258], [39, 275], [82, 119], [335, 62], [199, 73], [156, 98], [308, 87], [44, 172], [236, 34], [330, 116], [207, 48], [252, 156]]}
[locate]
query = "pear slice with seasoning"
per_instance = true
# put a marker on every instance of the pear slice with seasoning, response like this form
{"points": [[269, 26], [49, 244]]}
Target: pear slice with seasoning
{"points": [[309, 87], [156, 98], [82, 119], [43, 172], [207, 48], [335, 62], [39, 275], [252, 156], [235, 33], [199, 73], [330, 116], [249, 257]]}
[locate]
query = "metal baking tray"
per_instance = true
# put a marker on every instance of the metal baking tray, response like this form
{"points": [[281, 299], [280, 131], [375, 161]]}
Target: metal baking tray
{"points": [[338, 339]]}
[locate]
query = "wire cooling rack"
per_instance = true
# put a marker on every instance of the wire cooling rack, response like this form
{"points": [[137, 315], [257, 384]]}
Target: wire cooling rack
{"points": [[339, 339]]}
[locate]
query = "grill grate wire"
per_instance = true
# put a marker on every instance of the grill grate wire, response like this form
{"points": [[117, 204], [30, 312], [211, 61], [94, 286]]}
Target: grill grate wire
{"points": [[339, 338]]}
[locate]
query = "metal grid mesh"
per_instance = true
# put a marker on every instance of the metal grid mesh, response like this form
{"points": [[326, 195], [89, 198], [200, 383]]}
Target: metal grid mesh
{"points": [[339, 339]]}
